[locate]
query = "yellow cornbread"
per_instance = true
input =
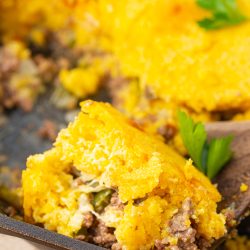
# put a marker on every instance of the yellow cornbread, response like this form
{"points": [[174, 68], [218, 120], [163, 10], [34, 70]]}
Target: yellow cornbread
{"points": [[237, 243], [243, 187], [106, 147], [85, 79], [19, 76], [19, 17], [158, 43], [80, 82]]}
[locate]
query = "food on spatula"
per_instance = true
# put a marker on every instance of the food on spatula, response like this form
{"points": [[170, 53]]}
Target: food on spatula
{"points": [[108, 182]]}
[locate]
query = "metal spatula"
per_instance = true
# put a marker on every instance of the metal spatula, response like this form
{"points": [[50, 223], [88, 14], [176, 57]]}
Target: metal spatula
{"points": [[19, 139]]}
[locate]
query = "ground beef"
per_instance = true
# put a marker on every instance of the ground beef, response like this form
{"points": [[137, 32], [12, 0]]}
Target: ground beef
{"points": [[167, 131], [159, 245], [116, 246], [230, 217], [81, 237], [95, 231], [88, 220], [116, 202], [19, 82], [103, 235], [10, 211], [8, 64], [48, 130], [47, 68], [202, 243], [115, 86], [179, 229], [188, 239], [178, 222]]}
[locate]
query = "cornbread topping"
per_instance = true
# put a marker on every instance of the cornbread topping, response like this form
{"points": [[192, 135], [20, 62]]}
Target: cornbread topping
{"points": [[133, 185]]}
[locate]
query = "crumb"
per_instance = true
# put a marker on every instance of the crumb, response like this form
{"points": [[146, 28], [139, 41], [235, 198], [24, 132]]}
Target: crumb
{"points": [[243, 187], [88, 220], [10, 211], [20, 83], [80, 237], [47, 68], [48, 130], [10, 177], [230, 217], [3, 158], [3, 119]]}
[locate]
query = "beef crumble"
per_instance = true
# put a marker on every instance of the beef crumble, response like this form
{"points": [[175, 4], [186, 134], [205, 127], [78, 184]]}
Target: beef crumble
{"points": [[116, 202], [95, 231], [48, 130], [180, 229], [103, 235], [88, 220], [188, 238]]}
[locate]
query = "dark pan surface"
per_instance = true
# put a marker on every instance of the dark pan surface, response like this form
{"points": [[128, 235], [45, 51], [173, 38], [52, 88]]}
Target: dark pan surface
{"points": [[18, 140], [39, 235], [18, 135]]}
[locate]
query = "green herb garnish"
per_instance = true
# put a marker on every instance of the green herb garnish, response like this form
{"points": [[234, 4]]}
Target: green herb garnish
{"points": [[208, 157], [224, 13]]}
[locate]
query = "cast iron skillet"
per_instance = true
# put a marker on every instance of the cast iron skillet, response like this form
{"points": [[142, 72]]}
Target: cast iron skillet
{"points": [[18, 139], [42, 236]]}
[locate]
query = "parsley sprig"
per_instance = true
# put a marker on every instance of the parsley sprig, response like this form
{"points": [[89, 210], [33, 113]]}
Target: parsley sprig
{"points": [[224, 13], [208, 157]]}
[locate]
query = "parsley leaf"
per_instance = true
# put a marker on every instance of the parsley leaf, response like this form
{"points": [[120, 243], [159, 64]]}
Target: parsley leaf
{"points": [[191, 133], [218, 155], [224, 13], [208, 157]]}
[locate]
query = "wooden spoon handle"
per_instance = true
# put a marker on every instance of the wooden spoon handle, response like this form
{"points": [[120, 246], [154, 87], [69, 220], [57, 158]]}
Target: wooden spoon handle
{"points": [[216, 129], [237, 171]]}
